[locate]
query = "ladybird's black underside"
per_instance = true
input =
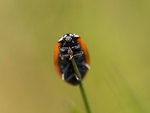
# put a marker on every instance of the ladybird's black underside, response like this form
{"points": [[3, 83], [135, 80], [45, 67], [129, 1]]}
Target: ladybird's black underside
{"points": [[65, 64]]}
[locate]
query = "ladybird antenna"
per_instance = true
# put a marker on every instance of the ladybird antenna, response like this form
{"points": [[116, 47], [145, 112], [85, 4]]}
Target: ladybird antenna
{"points": [[70, 52]]}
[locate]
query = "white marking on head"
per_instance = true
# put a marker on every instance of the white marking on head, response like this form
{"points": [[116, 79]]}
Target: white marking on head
{"points": [[62, 38], [76, 35], [71, 34]]}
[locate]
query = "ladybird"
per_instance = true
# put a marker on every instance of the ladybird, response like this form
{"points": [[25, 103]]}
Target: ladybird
{"points": [[62, 60]]}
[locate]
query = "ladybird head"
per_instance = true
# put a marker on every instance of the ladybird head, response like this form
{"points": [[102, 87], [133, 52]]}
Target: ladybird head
{"points": [[68, 38]]}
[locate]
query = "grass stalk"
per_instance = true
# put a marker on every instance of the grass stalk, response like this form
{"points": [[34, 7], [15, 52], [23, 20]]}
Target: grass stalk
{"points": [[82, 90]]}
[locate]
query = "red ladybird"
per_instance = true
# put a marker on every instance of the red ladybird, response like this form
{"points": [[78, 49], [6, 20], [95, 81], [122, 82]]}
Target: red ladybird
{"points": [[62, 61]]}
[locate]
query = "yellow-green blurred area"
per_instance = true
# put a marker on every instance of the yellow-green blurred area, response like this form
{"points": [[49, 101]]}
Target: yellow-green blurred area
{"points": [[117, 34]]}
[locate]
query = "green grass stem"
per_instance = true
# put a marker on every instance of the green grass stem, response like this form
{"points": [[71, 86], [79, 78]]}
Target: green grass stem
{"points": [[82, 90]]}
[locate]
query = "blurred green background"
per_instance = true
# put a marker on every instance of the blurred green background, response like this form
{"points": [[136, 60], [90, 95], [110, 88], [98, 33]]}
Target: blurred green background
{"points": [[117, 34]]}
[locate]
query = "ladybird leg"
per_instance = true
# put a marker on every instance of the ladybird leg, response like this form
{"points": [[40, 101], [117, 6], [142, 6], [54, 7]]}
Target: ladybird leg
{"points": [[62, 77], [63, 56], [77, 46], [63, 49], [64, 43], [78, 54], [83, 67], [70, 77], [77, 77], [87, 66], [65, 70]]}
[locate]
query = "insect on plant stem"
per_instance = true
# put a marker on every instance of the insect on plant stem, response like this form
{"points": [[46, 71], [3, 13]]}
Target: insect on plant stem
{"points": [[71, 58]]}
